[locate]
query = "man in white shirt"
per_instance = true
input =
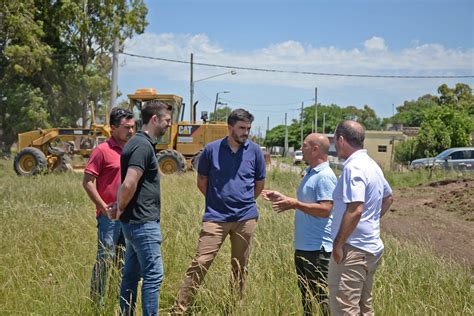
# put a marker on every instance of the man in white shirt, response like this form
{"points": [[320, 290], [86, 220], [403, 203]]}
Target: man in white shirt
{"points": [[361, 197]]}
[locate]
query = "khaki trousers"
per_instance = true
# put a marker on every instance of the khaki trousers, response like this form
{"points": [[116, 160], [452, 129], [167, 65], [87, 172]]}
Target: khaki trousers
{"points": [[350, 282], [211, 237]]}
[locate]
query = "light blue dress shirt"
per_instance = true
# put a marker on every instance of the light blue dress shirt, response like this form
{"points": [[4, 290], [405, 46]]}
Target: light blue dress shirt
{"points": [[314, 232]]}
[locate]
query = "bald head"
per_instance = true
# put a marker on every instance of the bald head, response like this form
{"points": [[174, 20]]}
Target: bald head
{"points": [[320, 140], [353, 132]]}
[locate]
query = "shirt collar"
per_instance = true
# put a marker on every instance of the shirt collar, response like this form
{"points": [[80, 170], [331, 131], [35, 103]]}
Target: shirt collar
{"points": [[225, 141], [114, 143], [147, 137], [358, 153], [318, 168]]}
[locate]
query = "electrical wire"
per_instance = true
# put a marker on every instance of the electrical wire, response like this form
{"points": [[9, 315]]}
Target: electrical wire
{"points": [[262, 104], [296, 71]]}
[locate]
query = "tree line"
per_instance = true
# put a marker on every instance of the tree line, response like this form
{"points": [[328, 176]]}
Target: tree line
{"points": [[55, 59], [444, 121]]}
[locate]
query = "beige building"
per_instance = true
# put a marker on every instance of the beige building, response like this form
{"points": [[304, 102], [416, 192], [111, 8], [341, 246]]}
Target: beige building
{"points": [[380, 146]]}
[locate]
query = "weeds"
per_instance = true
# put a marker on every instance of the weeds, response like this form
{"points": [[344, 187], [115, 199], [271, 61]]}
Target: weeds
{"points": [[48, 245]]}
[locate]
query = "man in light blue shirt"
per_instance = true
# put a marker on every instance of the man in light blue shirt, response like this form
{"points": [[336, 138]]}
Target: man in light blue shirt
{"points": [[313, 244], [361, 197]]}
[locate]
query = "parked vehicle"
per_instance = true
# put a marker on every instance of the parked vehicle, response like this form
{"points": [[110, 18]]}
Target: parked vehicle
{"points": [[459, 158], [298, 158]]}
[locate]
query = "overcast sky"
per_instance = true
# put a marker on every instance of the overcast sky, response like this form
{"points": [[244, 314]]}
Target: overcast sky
{"points": [[401, 38]]}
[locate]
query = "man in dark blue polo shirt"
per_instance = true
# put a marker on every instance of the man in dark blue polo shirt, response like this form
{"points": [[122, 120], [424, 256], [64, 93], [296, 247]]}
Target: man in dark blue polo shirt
{"points": [[231, 175]]}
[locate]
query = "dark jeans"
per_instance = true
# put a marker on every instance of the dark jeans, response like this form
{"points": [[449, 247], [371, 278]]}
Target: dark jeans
{"points": [[312, 270]]}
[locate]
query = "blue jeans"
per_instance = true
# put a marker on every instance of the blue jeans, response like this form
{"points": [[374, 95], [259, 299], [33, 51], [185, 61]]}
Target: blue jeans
{"points": [[109, 238], [142, 258]]}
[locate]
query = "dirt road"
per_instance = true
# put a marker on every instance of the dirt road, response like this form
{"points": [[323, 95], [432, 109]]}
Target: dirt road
{"points": [[440, 213]]}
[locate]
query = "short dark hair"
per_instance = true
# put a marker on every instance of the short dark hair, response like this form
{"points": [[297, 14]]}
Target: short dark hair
{"points": [[117, 114], [239, 115], [353, 135], [154, 107]]}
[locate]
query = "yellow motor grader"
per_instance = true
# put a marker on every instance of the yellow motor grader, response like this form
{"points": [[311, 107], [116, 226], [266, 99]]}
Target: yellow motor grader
{"points": [[180, 148], [48, 150]]}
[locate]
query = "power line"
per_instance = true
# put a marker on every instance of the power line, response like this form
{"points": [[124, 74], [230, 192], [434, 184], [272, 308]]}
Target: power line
{"points": [[272, 104], [298, 72]]}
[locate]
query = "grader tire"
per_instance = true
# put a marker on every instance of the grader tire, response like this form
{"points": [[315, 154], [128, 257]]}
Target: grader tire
{"points": [[30, 161], [195, 161], [63, 164], [171, 161]]}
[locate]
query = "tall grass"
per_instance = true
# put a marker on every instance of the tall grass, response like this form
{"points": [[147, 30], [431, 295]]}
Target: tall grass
{"points": [[48, 245]]}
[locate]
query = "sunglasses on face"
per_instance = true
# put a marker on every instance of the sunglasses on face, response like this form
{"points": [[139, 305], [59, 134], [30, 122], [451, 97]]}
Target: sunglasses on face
{"points": [[121, 113]]}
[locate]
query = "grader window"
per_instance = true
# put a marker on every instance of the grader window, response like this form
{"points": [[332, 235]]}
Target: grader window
{"points": [[136, 109]]}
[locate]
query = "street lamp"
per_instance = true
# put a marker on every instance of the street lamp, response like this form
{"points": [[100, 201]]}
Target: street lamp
{"points": [[192, 81], [215, 104], [232, 72]]}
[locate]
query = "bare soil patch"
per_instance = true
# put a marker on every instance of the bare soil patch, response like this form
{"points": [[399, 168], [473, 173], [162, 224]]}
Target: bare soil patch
{"points": [[440, 214]]}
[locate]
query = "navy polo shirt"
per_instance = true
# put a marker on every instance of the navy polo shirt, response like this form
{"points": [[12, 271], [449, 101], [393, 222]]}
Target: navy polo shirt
{"points": [[230, 195]]}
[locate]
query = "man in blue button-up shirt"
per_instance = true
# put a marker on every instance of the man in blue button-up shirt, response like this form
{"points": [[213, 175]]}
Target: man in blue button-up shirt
{"points": [[231, 175], [313, 244]]}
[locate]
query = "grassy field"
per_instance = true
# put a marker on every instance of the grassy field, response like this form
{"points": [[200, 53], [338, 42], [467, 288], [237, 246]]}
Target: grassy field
{"points": [[48, 245]]}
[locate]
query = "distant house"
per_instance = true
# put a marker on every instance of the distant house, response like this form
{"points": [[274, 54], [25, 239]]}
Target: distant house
{"points": [[380, 146]]}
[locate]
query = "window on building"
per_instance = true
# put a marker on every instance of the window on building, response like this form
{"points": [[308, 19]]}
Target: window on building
{"points": [[382, 148]]}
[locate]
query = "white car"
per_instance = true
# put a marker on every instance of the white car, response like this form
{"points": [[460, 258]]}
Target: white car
{"points": [[460, 158], [298, 158]]}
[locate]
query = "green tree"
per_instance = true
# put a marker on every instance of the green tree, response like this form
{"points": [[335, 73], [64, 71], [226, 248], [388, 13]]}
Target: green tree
{"points": [[276, 137], [22, 54], [221, 114], [405, 151], [412, 113], [59, 52], [87, 31], [460, 97], [442, 128]]}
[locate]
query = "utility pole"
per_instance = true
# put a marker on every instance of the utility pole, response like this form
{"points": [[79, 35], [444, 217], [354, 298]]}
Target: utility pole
{"points": [[301, 123], [191, 91], [286, 138], [315, 110], [324, 123], [113, 88]]}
